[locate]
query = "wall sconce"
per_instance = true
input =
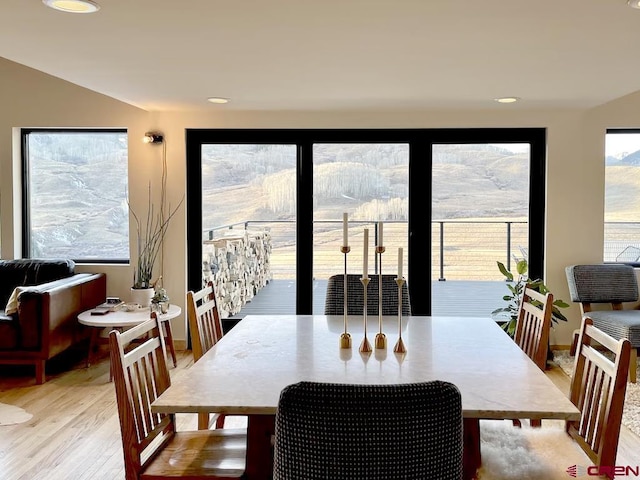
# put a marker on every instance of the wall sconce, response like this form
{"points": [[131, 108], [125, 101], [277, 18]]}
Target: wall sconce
{"points": [[153, 137]]}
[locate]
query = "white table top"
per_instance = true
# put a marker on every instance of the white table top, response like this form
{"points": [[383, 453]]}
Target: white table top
{"points": [[122, 318], [245, 372]]}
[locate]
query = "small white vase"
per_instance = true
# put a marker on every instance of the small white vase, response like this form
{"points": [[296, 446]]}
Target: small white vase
{"points": [[142, 296]]}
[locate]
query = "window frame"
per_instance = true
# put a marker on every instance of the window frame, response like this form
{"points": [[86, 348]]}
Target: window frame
{"points": [[26, 194], [420, 161], [614, 131]]}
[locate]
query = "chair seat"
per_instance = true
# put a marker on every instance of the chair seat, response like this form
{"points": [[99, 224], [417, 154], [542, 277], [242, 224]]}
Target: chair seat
{"points": [[619, 324], [220, 454], [541, 453]]}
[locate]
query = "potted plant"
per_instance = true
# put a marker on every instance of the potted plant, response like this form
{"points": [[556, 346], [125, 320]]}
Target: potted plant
{"points": [[508, 315], [160, 299], [150, 232]]}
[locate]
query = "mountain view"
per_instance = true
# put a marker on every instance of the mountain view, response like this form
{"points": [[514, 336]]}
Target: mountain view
{"points": [[78, 187]]}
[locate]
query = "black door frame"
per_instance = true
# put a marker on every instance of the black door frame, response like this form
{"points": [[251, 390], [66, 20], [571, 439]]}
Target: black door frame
{"points": [[420, 142]]}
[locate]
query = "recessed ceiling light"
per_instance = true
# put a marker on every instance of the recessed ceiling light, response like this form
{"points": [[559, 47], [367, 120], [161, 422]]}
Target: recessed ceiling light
{"points": [[507, 99], [634, 3], [217, 100], [73, 6]]}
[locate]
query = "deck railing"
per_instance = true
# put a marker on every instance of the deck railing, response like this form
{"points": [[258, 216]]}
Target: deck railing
{"points": [[461, 249]]}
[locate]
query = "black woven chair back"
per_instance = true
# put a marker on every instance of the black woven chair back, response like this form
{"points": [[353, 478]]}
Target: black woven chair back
{"points": [[334, 300], [374, 432]]}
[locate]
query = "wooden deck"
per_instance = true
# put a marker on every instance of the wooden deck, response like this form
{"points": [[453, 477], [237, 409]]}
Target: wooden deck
{"points": [[481, 298]]}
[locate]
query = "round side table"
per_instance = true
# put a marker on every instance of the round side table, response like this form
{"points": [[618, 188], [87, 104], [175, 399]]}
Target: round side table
{"points": [[122, 319]]}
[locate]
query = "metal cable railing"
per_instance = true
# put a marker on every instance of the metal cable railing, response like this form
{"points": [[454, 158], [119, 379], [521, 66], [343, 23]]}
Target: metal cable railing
{"points": [[460, 249]]}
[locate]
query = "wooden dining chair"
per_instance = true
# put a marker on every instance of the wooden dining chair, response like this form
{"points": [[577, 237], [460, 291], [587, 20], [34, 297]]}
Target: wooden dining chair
{"points": [[377, 432], [205, 328], [598, 388], [152, 448], [534, 324], [532, 330]]}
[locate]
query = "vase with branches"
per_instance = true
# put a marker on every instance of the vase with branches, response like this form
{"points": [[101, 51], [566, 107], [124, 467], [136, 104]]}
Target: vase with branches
{"points": [[151, 230]]}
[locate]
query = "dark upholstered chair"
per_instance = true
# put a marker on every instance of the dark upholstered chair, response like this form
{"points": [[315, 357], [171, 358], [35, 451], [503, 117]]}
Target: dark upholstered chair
{"points": [[334, 300], [612, 284], [373, 432]]}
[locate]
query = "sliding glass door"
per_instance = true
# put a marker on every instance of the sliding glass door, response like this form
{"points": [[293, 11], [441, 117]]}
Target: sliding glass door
{"points": [[370, 183], [249, 223], [456, 200], [480, 196]]}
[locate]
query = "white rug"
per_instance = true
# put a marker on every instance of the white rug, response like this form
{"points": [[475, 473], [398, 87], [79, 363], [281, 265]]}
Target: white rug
{"points": [[510, 453], [10, 415], [631, 412]]}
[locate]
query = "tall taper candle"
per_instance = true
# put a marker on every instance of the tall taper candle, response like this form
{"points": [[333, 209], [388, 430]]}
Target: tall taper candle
{"points": [[400, 262], [345, 230], [380, 242], [365, 255]]}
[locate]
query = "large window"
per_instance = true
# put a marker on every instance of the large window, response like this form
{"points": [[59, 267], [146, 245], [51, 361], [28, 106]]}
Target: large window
{"points": [[239, 181], [75, 195], [622, 197]]}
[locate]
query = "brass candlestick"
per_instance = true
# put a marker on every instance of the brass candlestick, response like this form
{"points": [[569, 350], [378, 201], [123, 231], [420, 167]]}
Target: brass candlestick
{"points": [[345, 338], [381, 338], [400, 348], [365, 346]]}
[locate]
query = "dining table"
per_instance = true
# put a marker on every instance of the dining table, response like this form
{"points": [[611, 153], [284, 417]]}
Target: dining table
{"points": [[244, 373]]}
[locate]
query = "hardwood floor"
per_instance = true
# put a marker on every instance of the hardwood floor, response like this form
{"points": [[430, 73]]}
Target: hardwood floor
{"points": [[74, 433]]}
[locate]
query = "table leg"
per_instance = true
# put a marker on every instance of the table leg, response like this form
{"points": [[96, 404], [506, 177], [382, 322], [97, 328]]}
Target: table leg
{"points": [[93, 344], [471, 447], [260, 430], [169, 341]]}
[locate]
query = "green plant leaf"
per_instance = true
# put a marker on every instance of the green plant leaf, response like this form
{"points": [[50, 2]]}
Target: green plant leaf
{"points": [[504, 271], [557, 314], [521, 267]]}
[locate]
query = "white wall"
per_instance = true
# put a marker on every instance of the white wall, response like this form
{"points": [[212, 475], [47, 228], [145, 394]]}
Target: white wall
{"points": [[575, 190], [30, 98]]}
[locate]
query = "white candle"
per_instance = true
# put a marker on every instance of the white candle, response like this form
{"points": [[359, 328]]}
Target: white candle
{"points": [[400, 263], [380, 243], [345, 230], [365, 255]]}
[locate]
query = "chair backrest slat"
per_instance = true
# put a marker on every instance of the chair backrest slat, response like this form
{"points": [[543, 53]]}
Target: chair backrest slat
{"points": [[140, 375], [534, 324], [598, 389], [205, 325]]}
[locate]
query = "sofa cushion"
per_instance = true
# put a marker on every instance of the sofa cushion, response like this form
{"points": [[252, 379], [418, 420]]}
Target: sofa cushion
{"points": [[11, 276], [9, 331], [50, 270], [28, 271], [618, 323]]}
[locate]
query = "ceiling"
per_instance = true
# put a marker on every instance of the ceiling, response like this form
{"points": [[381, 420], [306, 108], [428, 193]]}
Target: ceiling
{"points": [[165, 55]]}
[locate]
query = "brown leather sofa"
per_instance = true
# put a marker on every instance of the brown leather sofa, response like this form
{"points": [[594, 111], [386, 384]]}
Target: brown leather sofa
{"points": [[45, 322]]}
